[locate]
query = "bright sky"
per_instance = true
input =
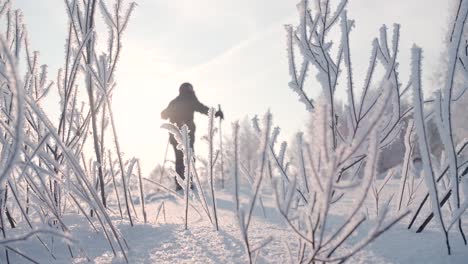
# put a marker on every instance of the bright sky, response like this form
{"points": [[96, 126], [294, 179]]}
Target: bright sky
{"points": [[233, 52]]}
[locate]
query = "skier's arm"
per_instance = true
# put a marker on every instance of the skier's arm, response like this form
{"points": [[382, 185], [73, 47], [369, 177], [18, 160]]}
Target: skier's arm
{"points": [[201, 108]]}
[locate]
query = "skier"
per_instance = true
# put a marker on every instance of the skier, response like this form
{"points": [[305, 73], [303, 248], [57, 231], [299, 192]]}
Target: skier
{"points": [[180, 112]]}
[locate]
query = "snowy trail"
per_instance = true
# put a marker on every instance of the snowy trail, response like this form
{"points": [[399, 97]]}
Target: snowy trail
{"points": [[166, 241], [169, 242]]}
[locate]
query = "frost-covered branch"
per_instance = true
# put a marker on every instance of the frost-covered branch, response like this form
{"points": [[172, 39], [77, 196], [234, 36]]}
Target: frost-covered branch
{"points": [[423, 141]]}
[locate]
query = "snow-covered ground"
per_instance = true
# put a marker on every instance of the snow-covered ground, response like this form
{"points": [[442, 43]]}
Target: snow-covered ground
{"points": [[164, 240]]}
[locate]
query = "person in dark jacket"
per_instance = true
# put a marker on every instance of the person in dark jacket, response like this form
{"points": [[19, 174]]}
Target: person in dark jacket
{"points": [[180, 112]]}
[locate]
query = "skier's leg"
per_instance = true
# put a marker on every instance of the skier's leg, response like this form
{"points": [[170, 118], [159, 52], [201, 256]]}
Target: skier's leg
{"points": [[179, 161], [192, 141]]}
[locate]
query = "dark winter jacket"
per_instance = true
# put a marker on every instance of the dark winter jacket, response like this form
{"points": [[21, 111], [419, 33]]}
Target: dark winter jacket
{"points": [[180, 110]]}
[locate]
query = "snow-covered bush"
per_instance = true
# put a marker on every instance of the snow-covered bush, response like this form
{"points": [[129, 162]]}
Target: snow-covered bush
{"points": [[340, 155], [444, 174], [343, 151], [44, 171]]}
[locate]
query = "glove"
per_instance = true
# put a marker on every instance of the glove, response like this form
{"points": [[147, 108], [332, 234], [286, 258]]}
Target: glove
{"points": [[219, 114]]}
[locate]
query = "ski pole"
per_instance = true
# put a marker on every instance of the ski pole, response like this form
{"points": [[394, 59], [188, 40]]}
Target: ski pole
{"points": [[221, 148]]}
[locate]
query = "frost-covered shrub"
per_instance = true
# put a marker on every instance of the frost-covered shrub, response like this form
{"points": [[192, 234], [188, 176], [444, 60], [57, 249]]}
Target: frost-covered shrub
{"points": [[44, 172], [444, 173], [345, 145], [340, 154]]}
